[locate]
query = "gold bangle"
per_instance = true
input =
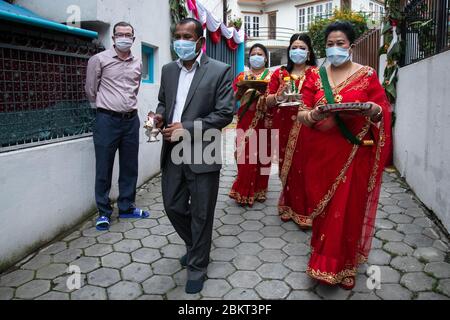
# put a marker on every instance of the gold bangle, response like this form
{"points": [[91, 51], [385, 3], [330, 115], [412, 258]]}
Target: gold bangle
{"points": [[309, 119], [312, 118]]}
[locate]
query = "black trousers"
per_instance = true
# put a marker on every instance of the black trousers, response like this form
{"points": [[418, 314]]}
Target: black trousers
{"points": [[190, 202], [112, 134]]}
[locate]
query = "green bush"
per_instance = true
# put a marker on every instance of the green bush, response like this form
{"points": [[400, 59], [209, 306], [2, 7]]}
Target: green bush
{"points": [[317, 28]]}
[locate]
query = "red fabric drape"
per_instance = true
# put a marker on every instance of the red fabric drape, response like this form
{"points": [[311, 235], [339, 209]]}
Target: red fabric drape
{"points": [[192, 5], [215, 36], [231, 44]]}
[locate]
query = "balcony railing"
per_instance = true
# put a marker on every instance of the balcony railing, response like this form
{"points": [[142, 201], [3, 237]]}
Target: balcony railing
{"points": [[263, 33]]}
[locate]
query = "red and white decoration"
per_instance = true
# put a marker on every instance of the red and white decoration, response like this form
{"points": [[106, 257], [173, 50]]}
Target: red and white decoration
{"points": [[215, 27]]}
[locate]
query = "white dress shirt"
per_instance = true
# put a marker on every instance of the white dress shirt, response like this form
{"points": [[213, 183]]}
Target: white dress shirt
{"points": [[184, 84]]}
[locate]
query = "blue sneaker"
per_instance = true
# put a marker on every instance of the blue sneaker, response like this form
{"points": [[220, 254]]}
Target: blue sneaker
{"points": [[102, 223]]}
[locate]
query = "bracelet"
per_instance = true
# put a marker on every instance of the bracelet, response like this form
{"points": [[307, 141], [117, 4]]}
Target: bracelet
{"points": [[309, 119], [311, 116], [377, 116], [276, 99]]}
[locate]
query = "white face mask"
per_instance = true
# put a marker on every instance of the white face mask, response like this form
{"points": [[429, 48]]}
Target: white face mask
{"points": [[337, 56], [257, 62], [123, 44], [298, 56]]}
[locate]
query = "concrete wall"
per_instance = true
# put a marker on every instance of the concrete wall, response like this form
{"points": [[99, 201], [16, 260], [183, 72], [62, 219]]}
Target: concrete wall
{"points": [[46, 190], [422, 131], [58, 12]]}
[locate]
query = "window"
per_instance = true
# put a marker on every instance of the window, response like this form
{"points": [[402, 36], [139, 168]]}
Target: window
{"points": [[310, 15], [376, 11], [256, 26], [301, 19], [329, 8], [148, 64], [319, 11], [251, 26], [307, 14], [247, 26]]}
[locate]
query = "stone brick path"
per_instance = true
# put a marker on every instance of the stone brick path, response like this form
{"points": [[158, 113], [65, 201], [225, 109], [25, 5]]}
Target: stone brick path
{"points": [[254, 255]]}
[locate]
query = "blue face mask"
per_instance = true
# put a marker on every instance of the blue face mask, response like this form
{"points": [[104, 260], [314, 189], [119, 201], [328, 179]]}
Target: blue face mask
{"points": [[337, 56], [185, 49], [257, 62], [298, 56]]}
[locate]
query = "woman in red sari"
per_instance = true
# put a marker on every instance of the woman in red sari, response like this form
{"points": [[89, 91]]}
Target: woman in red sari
{"points": [[301, 63], [342, 160], [253, 173]]}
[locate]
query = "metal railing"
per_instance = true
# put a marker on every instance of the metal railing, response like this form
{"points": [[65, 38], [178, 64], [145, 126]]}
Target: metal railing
{"points": [[426, 29], [265, 33], [366, 48], [221, 52], [42, 78]]}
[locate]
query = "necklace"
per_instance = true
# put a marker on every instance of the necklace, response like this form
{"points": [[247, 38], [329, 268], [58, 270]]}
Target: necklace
{"points": [[294, 78], [256, 76]]}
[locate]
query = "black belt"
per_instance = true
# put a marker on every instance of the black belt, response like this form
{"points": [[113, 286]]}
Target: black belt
{"points": [[122, 115]]}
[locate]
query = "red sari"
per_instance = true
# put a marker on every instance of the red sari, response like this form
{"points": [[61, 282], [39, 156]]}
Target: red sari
{"points": [[285, 120], [342, 181], [253, 175]]}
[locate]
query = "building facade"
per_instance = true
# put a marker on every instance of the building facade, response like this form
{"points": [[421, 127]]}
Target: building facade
{"points": [[272, 22]]}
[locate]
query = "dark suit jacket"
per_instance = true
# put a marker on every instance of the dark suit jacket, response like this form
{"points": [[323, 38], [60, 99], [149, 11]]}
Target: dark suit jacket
{"points": [[210, 101]]}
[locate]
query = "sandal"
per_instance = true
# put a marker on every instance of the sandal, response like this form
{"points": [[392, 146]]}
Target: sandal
{"points": [[136, 214], [102, 223]]}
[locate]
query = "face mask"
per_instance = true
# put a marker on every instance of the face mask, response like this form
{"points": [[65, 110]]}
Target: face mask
{"points": [[257, 62], [337, 56], [124, 44], [185, 49], [298, 56]]}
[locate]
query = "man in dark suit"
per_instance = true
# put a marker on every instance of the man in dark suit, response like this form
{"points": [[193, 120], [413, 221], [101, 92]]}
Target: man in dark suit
{"points": [[195, 96]]}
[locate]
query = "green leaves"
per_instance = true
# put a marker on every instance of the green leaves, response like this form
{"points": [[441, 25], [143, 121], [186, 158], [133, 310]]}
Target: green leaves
{"points": [[394, 16], [396, 52], [386, 27], [317, 29]]}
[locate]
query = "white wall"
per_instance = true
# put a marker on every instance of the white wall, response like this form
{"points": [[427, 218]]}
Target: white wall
{"points": [[422, 131], [47, 190]]}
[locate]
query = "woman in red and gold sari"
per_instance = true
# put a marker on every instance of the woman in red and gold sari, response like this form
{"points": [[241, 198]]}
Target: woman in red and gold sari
{"points": [[342, 160], [301, 63], [253, 173]]}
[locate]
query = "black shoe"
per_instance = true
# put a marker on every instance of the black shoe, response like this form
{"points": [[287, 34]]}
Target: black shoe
{"points": [[183, 260], [195, 286]]}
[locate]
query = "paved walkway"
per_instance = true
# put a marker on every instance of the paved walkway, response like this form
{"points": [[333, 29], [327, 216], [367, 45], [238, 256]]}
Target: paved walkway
{"points": [[254, 255]]}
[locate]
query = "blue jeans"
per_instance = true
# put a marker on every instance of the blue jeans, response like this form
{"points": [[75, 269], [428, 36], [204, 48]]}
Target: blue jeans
{"points": [[112, 134]]}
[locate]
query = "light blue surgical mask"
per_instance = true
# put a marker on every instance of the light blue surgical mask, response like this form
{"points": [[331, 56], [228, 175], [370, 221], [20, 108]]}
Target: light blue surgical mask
{"points": [[185, 49], [124, 44], [257, 62], [298, 56], [337, 55]]}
